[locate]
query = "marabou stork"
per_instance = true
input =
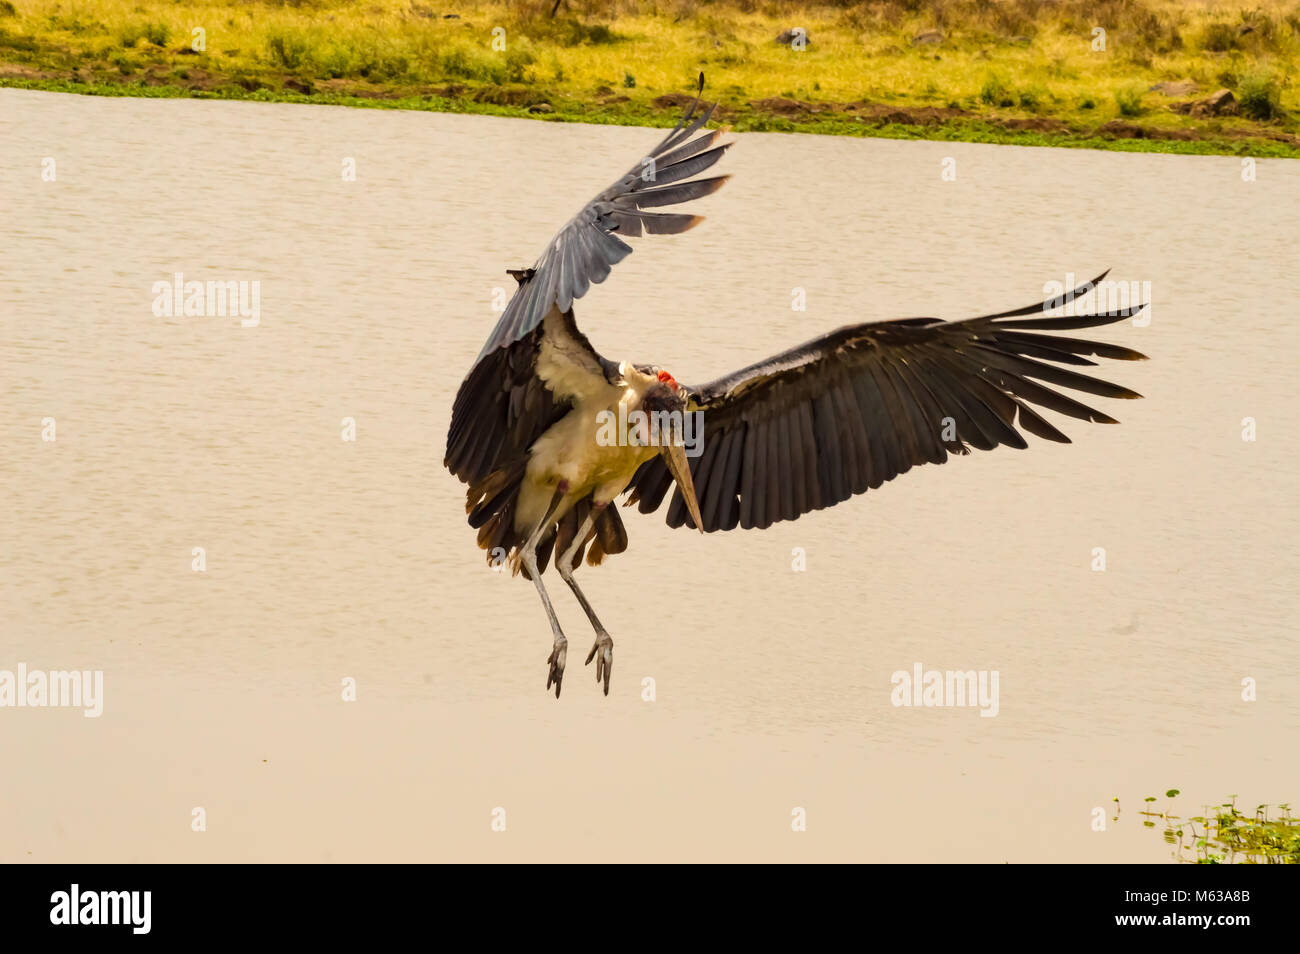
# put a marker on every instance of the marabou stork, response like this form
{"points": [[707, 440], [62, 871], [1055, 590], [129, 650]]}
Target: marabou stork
{"points": [[800, 431]]}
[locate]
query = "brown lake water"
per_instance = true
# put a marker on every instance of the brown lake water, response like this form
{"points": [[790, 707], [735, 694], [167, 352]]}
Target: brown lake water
{"points": [[329, 560]]}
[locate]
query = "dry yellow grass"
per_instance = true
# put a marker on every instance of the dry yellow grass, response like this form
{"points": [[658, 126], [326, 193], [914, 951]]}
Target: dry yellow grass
{"points": [[1005, 70]]}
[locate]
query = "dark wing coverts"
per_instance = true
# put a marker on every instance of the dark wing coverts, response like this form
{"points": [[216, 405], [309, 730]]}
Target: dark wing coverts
{"points": [[848, 411]]}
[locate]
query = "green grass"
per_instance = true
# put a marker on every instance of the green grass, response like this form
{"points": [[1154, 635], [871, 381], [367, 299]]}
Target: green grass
{"points": [[1260, 94], [1016, 71], [1129, 100]]}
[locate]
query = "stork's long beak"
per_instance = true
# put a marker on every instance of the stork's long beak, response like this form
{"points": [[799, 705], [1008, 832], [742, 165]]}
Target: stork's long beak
{"points": [[675, 457]]}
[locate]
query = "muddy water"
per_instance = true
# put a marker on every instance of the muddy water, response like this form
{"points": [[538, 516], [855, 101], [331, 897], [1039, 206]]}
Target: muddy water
{"points": [[328, 560]]}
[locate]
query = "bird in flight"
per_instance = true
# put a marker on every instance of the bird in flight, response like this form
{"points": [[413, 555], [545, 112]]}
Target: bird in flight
{"points": [[547, 432]]}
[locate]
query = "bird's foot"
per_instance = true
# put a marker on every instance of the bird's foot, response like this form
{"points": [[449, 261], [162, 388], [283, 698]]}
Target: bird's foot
{"points": [[556, 662], [603, 653]]}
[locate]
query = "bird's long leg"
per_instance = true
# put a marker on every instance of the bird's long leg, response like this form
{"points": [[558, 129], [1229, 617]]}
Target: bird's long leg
{"points": [[603, 650], [527, 554]]}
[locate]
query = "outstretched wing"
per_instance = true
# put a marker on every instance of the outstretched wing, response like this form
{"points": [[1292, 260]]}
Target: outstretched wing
{"points": [[536, 361], [846, 412], [591, 243]]}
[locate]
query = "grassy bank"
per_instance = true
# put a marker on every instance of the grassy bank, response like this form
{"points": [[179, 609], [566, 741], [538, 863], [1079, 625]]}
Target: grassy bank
{"points": [[1034, 72]]}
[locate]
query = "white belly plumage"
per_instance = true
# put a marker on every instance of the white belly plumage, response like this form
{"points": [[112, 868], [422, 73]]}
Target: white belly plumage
{"points": [[569, 451]]}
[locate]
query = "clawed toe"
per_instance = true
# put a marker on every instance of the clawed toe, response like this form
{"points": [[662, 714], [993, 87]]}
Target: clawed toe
{"points": [[556, 662], [603, 653]]}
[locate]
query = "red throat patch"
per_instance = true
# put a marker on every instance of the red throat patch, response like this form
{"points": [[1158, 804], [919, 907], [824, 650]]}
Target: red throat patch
{"points": [[669, 380]]}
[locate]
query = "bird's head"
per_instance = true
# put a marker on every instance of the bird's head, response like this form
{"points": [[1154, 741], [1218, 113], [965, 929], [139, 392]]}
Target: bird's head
{"points": [[665, 413]]}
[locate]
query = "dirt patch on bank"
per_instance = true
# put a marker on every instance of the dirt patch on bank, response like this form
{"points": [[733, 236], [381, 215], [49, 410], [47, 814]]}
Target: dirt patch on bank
{"points": [[881, 113], [904, 115], [672, 101], [510, 96], [1035, 124]]}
